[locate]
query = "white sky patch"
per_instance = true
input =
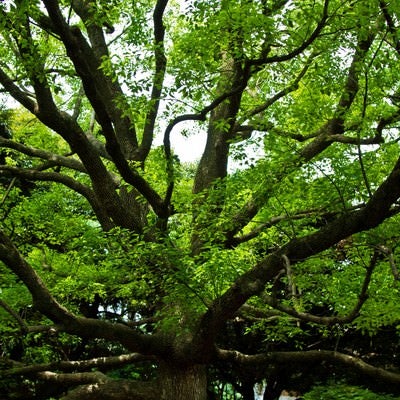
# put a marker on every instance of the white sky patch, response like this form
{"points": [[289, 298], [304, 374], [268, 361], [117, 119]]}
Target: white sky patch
{"points": [[190, 148]]}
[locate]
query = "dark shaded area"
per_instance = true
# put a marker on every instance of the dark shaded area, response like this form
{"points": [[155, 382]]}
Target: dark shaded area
{"points": [[380, 350]]}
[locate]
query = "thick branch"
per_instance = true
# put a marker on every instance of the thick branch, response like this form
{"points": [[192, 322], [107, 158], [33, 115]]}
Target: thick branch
{"points": [[101, 363], [311, 357], [85, 191], [105, 91], [158, 78], [35, 175], [390, 24], [252, 282], [63, 124], [41, 295], [79, 378], [68, 322], [17, 93]]}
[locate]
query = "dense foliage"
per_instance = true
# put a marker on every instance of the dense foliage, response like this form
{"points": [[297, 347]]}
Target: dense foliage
{"points": [[344, 392], [270, 261]]}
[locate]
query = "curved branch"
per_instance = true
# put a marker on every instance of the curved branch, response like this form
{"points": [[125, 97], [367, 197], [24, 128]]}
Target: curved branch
{"points": [[339, 138], [301, 48], [384, 122], [78, 378], [101, 90], [310, 357], [67, 322], [105, 91], [85, 191], [15, 315], [41, 295], [254, 314], [17, 93], [63, 123], [327, 216], [95, 385], [288, 89], [35, 175], [199, 116]]}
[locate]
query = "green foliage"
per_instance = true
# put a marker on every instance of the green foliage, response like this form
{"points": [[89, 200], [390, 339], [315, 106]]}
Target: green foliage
{"points": [[321, 110], [339, 391]]}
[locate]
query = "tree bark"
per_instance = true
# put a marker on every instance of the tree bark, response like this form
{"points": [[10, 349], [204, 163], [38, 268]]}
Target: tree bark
{"points": [[182, 382], [113, 390]]}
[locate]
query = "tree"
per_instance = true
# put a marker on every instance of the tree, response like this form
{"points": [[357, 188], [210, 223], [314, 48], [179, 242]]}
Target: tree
{"points": [[140, 277]]}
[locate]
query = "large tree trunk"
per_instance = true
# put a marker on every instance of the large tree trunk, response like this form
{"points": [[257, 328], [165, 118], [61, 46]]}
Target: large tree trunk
{"points": [[182, 383]]}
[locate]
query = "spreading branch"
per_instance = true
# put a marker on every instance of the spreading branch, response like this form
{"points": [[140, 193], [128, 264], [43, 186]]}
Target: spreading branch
{"points": [[36, 175], [334, 126], [100, 363], [67, 321], [299, 215], [111, 388], [251, 283], [314, 357]]}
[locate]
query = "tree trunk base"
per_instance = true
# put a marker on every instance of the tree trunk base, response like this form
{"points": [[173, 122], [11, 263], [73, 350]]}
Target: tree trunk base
{"points": [[182, 383]]}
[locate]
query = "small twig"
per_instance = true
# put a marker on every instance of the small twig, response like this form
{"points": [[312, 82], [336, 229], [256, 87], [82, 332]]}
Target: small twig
{"points": [[289, 274], [291, 283], [15, 315], [10, 186], [389, 253], [78, 103]]}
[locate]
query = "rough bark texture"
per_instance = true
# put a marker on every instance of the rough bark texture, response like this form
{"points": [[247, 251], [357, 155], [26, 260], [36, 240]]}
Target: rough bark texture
{"points": [[114, 390], [182, 383]]}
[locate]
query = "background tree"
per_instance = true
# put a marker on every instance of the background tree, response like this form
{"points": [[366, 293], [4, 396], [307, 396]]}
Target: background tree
{"points": [[128, 274]]}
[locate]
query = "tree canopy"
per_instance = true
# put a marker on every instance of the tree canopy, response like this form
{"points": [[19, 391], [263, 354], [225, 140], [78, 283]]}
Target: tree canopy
{"points": [[272, 259]]}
